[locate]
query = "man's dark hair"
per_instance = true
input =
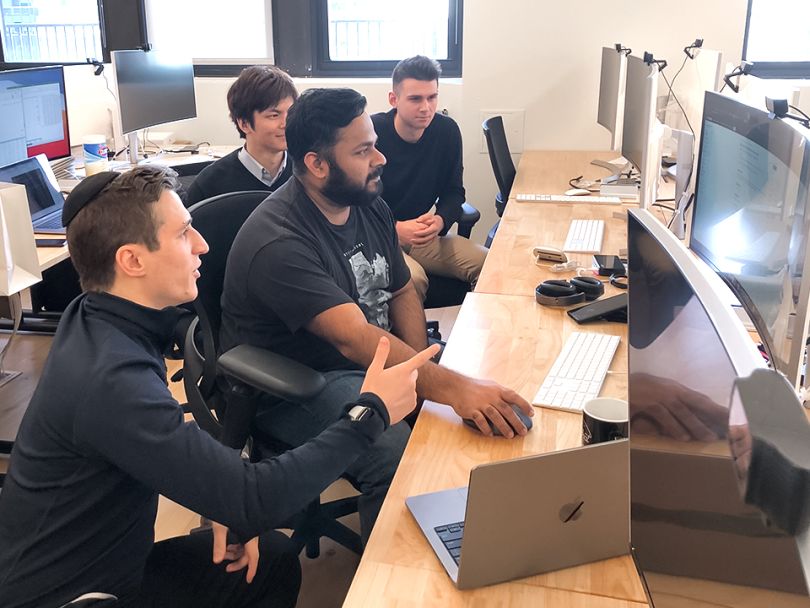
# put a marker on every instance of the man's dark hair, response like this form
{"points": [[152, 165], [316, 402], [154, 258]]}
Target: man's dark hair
{"points": [[315, 119], [417, 67], [123, 212], [258, 87]]}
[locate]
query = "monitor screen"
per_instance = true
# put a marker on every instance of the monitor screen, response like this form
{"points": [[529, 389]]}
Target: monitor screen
{"points": [[750, 220], [153, 88], [611, 94], [694, 539], [639, 110], [34, 111]]}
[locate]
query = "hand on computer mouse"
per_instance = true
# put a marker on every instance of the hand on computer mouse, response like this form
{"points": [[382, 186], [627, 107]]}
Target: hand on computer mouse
{"points": [[527, 422]]}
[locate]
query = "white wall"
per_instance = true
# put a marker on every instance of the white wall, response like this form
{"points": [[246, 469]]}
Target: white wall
{"points": [[538, 56]]}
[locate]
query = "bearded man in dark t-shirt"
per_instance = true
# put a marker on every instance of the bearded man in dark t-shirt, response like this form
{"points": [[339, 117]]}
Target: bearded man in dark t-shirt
{"points": [[317, 273]]}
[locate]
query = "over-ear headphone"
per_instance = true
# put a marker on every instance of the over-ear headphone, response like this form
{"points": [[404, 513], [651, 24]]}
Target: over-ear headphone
{"points": [[558, 292]]}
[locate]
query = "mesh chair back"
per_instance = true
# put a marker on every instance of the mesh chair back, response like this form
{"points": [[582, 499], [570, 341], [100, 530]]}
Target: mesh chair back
{"points": [[219, 219], [499, 155]]}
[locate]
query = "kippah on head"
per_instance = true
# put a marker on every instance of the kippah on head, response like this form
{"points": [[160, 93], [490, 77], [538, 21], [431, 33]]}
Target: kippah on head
{"points": [[87, 190]]}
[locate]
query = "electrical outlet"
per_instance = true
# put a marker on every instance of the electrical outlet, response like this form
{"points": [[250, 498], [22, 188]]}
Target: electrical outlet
{"points": [[513, 121]]}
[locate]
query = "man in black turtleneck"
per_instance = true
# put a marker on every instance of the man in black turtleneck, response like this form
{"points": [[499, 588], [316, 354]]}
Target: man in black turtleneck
{"points": [[103, 436]]}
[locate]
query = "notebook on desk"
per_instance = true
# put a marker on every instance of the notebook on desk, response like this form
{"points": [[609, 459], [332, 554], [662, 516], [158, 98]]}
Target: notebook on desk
{"points": [[44, 199], [536, 514]]}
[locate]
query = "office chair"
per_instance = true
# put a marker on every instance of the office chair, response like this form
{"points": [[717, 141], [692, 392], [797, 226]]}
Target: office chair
{"points": [[502, 166], [249, 370], [187, 173]]}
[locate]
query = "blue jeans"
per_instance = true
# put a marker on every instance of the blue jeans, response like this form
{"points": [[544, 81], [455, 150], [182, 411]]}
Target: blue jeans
{"points": [[296, 423]]}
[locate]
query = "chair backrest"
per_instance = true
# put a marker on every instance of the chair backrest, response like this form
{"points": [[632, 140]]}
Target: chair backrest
{"points": [[219, 219], [499, 155]]}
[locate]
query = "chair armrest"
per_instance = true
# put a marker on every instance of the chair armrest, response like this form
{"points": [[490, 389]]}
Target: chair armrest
{"points": [[271, 373], [469, 216]]}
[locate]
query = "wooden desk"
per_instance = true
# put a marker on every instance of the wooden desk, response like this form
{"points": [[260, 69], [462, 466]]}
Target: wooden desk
{"points": [[51, 256], [512, 340], [501, 334], [510, 266]]}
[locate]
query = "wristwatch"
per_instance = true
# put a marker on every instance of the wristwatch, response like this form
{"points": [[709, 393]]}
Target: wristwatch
{"points": [[360, 412]]}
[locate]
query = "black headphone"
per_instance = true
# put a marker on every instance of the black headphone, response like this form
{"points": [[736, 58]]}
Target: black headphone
{"points": [[619, 281], [558, 292]]}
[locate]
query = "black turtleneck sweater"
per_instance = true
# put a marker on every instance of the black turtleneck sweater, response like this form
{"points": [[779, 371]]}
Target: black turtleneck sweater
{"points": [[103, 436], [420, 174]]}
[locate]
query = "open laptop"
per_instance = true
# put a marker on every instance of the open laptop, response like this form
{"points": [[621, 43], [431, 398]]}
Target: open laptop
{"points": [[535, 514], [44, 199]]}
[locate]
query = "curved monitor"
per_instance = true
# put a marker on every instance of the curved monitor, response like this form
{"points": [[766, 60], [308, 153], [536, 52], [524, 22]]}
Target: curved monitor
{"points": [[695, 538], [750, 220]]}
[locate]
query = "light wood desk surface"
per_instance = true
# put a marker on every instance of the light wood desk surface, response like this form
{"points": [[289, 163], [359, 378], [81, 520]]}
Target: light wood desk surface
{"points": [[51, 256], [510, 267]]}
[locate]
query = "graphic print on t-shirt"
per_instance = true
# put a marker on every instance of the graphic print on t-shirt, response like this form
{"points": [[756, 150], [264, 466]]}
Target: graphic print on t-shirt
{"points": [[372, 279]]}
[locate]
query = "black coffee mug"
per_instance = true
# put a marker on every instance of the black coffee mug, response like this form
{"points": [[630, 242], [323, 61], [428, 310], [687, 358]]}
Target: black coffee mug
{"points": [[604, 419]]}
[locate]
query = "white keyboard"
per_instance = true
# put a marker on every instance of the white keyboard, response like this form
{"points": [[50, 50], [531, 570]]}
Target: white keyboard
{"points": [[585, 236], [579, 371], [561, 198]]}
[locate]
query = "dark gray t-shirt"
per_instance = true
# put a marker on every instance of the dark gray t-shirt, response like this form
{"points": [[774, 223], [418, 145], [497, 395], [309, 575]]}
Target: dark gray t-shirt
{"points": [[288, 264]]}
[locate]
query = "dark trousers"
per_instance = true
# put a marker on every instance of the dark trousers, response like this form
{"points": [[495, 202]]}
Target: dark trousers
{"points": [[180, 573]]}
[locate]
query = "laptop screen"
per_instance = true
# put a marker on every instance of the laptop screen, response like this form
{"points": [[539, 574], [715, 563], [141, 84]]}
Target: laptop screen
{"points": [[43, 198]]}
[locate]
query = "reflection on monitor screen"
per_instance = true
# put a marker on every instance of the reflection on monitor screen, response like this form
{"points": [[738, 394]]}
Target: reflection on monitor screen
{"points": [[695, 540], [34, 114], [750, 218]]}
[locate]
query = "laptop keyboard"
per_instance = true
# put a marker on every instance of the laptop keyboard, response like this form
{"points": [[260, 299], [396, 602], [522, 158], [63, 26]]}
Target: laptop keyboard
{"points": [[451, 535], [53, 222]]}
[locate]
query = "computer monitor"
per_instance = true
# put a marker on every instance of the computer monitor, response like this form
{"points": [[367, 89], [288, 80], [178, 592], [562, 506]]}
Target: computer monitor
{"points": [[641, 131], [610, 113], [153, 88], [34, 111], [694, 539], [750, 220]]}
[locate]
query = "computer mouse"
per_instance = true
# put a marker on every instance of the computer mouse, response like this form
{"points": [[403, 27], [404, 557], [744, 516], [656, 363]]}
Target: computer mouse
{"points": [[527, 422], [577, 192]]}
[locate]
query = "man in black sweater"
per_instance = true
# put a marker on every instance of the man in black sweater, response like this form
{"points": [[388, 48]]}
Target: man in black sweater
{"points": [[103, 435], [424, 168], [258, 102]]}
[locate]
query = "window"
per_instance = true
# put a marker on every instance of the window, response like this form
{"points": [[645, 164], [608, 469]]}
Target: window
{"points": [[777, 38], [210, 31], [364, 37], [368, 37], [50, 31]]}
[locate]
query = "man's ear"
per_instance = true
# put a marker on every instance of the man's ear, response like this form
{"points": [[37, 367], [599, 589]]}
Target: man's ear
{"points": [[316, 165], [129, 260], [244, 125], [392, 99]]}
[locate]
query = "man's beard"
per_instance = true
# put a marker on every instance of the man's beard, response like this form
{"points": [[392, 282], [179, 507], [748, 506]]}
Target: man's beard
{"points": [[345, 193]]}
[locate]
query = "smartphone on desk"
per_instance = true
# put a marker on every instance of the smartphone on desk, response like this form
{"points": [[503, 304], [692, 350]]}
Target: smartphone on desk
{"points": [[607, 265], [49, 242], [608, 309]]}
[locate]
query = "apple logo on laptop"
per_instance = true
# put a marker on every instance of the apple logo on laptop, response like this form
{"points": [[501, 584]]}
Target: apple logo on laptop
{"points": [[571, 511]]}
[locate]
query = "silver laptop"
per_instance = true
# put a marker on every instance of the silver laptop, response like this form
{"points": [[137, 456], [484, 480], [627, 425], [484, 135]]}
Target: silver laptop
{"points": [[44, 199], [536, 514]]}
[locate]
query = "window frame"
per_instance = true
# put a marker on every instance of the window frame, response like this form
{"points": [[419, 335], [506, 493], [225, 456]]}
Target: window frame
{"points": [[324, 66], [783, 70], [104, 33]]}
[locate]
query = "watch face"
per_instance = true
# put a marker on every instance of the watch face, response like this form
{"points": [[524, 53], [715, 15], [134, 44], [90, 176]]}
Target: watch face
{"points": [[358, 412]]}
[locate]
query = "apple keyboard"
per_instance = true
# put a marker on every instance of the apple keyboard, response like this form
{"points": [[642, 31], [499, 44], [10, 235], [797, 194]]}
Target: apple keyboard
{"points": [[585, 236], [562, 198], [578, 372]]}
